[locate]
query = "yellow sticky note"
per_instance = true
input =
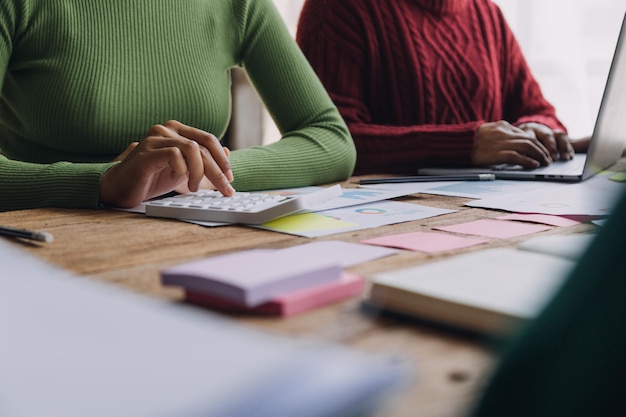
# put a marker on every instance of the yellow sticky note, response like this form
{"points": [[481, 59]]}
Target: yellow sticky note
{"points": [[306, 222]]}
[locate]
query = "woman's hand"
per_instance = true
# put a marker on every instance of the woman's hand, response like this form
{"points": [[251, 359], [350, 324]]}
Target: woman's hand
{"points": [[205, 184], [502, 143], [171, 156], [556, 142]]}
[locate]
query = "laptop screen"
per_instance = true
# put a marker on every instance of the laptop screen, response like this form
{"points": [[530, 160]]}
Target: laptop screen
{"points": [[609, 135]]}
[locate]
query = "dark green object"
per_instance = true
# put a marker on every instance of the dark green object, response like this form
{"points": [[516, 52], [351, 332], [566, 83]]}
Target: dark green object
{"points": [[571, 360]]}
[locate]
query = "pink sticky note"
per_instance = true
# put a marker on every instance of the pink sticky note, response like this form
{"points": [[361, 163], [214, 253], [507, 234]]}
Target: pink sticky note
{"points": [[344, 254], [501, 229], [425, 242], [287, 304], [252, 277], [541, 218]]}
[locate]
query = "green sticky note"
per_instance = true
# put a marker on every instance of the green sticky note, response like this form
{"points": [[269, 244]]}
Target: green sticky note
{"points": [[621, 177]]}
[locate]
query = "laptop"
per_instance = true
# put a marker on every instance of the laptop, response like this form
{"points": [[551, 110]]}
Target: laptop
{"points": [[74, 347], [606, 145]]}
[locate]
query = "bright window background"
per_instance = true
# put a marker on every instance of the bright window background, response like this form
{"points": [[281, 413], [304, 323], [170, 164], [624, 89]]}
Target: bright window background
{"points": [[290, 11], [567, 43]]}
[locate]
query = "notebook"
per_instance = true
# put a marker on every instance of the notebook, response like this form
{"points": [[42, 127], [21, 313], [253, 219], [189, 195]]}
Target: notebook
{"points": [[490, 291], [606, 145], [73, 347]]}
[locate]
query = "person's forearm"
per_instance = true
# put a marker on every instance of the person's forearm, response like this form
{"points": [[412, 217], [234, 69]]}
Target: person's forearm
{"points": [[405, 149], [313, 155], [63, 184]]}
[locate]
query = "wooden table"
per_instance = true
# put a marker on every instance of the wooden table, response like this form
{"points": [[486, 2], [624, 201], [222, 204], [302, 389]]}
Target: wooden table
{"points": [[128, 250]]}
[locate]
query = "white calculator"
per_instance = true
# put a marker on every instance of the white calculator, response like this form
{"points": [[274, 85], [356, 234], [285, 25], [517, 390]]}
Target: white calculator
{"points": [[247, 208]]}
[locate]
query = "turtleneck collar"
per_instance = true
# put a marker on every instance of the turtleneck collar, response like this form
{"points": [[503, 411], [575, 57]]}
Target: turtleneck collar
{"points": [[442, 6]]}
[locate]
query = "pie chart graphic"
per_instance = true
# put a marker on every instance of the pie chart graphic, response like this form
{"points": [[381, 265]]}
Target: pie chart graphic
{"points": [[370, 210]]}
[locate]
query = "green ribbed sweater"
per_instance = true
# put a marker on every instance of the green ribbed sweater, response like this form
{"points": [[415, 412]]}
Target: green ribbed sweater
{"points": [[84, 78]]}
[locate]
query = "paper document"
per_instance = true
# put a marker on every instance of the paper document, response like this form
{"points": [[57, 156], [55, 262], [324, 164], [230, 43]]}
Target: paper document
{"points": [[466, 189], [74, 347], [593, 197], [351, 218]]}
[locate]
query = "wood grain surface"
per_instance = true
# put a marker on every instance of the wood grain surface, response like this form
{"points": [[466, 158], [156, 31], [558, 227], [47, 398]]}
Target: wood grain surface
{"points": [[129, 250]]}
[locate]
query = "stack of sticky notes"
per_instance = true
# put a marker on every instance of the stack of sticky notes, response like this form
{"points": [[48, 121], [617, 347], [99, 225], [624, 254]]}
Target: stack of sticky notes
{"points": [[279, 282]]}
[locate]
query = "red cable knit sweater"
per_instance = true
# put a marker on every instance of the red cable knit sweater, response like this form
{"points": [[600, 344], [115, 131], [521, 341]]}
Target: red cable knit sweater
{"points": [[414, 79]]}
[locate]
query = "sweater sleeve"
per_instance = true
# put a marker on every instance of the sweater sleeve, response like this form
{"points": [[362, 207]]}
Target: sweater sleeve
{"points": [[315, 147], [62, 184], [336, 43], [28, 185], [522, 97]]}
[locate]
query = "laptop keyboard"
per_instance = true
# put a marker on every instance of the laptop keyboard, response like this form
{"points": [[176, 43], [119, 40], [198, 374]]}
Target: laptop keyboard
{"points": [[572, 167]]}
